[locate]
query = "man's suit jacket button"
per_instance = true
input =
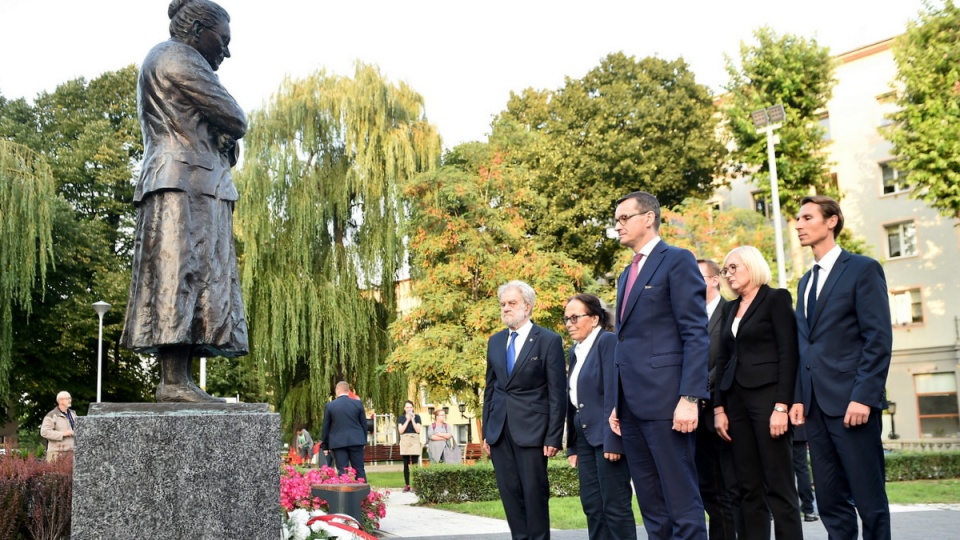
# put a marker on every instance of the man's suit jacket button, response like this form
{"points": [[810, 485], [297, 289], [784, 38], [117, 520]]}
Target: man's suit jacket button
{"points": [[584, 426], [620, 339], [581, 405]]}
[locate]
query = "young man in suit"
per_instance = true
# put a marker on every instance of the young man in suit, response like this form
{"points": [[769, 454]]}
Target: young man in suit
{"points": [[344, 431], [843, 325], [715, 467], [523, 411], [661, 360]]}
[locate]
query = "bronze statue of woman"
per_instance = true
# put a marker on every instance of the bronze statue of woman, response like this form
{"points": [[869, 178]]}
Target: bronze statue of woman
{"points": [[185, 298]]}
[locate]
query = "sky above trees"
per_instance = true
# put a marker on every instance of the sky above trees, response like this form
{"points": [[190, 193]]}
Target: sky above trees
{"points": [[464, 58]]}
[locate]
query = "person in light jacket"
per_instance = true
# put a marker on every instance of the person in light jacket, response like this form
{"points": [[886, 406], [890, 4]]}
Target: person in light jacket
{"points": [[58, 428], [438, 433]]}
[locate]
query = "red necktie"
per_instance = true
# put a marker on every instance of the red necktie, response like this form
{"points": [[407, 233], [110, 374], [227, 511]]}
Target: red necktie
{"points": [[631, 278]]}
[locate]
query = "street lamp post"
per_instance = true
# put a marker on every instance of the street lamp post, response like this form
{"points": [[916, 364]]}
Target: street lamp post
{"points": [[463, 412], [101, 308], [766, 121], [892, 410]]}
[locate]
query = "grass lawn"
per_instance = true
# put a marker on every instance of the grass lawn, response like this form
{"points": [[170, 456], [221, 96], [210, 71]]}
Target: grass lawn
{"points": [[924, 492], [389, 479], [566, 513]]}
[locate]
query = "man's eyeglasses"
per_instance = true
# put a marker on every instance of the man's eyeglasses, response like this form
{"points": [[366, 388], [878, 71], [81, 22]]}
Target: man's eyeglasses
{"points": [[574, 318], [622, 220], [729, 270]]}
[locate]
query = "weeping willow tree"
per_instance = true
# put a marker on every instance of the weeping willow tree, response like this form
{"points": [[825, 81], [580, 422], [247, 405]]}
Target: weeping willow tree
{"points": [[27, 193], [319, 226]]}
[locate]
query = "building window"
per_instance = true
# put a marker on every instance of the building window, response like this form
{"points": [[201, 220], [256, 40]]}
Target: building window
{"points": [[906, 307], [760, 203], [824, 123], [901, 239], [937, 404], [894, 181], [462, 434], [888, 107]]}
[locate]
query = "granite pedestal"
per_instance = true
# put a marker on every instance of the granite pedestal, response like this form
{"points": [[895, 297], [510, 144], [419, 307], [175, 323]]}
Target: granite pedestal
{"points": [[177, 471]]}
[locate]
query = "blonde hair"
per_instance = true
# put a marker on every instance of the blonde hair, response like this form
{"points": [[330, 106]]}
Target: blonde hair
{"points": [[755, 264]]}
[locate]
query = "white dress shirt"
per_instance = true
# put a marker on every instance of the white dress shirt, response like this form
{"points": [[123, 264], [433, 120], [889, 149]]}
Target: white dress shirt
{"points": [[826, 263], [581, 351], [646, 250], [522, 334]]}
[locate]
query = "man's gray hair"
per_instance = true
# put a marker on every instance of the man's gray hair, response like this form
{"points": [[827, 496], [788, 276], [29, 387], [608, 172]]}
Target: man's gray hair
{"points": [[62, 394], [526, 291]]}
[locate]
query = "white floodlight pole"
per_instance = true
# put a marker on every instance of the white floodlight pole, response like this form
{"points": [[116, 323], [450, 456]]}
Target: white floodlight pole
{"points": [[775, 195], [101, 308], [762, 121]]}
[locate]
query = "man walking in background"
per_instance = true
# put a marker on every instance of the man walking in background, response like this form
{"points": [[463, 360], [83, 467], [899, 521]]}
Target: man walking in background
{"points": [[344, 431], [843, 325], [523, 411]]}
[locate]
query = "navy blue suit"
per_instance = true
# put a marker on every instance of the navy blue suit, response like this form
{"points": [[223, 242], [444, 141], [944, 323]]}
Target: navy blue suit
{"points": [[344, 433], [844, 357], [522, 413], [662, 354], [604, 484]]}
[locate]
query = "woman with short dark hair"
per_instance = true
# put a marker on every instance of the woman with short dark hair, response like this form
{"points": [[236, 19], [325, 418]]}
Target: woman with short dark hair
{"points": [[592, 447]]}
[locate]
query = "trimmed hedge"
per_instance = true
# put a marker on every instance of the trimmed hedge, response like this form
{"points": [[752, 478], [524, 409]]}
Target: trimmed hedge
{"points": [[922, 465], [459, 483], [441, 483]]}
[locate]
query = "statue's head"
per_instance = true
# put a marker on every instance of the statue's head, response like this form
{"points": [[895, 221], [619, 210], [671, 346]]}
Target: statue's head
{"points": [[203, 25]]}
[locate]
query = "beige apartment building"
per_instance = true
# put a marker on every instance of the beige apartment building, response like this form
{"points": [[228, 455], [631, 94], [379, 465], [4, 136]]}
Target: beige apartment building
{"points": [[917, 247]]}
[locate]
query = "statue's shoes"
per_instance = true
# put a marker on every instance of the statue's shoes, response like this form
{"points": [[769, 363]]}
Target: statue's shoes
{"points": [[184, 393]]}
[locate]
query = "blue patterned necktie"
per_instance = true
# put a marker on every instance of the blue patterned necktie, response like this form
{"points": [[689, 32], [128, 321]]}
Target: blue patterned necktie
{"points": [[511, 353], [812, 296]]}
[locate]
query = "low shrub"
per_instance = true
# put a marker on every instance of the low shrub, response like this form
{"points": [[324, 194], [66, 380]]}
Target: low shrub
{"points": [[460, 483], [35, 496], [922, 465]]}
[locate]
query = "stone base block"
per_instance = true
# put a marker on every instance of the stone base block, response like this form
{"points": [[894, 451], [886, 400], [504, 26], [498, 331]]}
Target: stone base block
{"points": [[176, 471]]}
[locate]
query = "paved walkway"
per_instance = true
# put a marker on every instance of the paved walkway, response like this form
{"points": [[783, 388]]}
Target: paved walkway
{"points": [[405, 520]]}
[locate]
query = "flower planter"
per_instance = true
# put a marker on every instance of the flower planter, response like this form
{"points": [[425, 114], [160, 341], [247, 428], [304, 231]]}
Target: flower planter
{"points": [[343, 498]]}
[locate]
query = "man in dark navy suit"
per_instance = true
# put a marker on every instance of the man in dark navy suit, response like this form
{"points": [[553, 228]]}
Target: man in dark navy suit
{"points": [[661, 361], [523, 411], [344, 431], [843, 325], [718, 479]]}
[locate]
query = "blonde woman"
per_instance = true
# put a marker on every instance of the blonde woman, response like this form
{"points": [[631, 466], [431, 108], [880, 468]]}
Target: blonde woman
{"points": [[757, 370]]}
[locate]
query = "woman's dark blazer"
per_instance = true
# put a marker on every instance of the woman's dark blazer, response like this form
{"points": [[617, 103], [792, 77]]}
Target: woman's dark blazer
{"points": [[596, 376], [765, 349]]}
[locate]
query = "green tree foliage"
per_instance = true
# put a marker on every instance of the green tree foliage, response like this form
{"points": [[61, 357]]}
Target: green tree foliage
{"points": [[319, 223], [27, 193], [88, 133], [469, 235], [798, 73], [628, 124], [711, 233], [926, 129]]}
